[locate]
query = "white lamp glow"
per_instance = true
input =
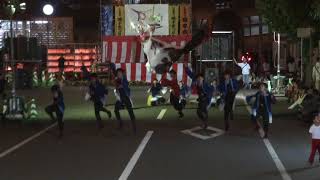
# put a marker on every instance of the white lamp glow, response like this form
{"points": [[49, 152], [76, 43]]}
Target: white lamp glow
{"points": [[48, 9]]}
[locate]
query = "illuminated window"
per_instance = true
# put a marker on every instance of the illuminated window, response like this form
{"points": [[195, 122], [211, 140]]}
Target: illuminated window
{"points": [[254, 26]]}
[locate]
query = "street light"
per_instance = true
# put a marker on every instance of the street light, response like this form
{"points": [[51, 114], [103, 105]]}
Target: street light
{"points": [[48, 9], [11, 8]]}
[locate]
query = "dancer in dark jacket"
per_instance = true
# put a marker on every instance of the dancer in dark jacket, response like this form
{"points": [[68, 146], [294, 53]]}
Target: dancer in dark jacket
{"points": [[262, 107], [205, 93], [98, 93], [57, 107], [122, 93], [228, 89]]}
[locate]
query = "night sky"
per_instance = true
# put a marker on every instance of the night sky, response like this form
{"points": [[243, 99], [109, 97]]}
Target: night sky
{"points": [[84, 12]]}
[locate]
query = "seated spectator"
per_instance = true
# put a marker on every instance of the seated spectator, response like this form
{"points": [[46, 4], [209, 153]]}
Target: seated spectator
{"points": [[293, 92], [155, 97], [310, 105]]}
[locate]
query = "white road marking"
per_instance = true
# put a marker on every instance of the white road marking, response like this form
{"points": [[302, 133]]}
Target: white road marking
{"points": [[282, 170], [191, 132], [162, 112], [22, 143], [134, 159]]}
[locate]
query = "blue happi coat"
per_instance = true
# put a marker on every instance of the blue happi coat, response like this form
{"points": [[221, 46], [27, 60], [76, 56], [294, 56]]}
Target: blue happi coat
{"points": [[269, 99], [223, 86], [206, 87]]}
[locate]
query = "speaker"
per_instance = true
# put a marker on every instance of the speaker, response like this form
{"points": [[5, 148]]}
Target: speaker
{"points": [[22, 48], [212, 74], [43, 56], [34, 49]]}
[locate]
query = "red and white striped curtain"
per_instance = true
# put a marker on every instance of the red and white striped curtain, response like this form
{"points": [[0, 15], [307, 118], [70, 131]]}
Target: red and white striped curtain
{"points": [[128, 49], [138, 72]]}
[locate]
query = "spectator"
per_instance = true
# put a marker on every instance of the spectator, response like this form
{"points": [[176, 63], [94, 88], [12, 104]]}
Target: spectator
{"points": [[155, 91], [61, 66], [2, 84], [291, 67], [85, 72], [315, 134], [316, 74], [245, 68], [61, 62], [310, 104], [266, 69]]}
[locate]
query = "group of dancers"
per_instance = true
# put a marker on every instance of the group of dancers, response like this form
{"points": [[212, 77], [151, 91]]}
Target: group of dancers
{"points": [[97, 93], [207, 93]]}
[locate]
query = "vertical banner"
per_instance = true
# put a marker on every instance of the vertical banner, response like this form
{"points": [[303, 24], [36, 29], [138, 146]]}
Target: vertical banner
{"points": [[119, 20], [185, 19], [155, 15], [173, 19], [107, 20]]}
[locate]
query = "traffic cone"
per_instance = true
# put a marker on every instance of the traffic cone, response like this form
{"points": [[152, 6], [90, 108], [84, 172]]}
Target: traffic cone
{"points": [[9, 77], [51, 80], [33, 113], [43, 78], [35, 80], [63, 76], [93, 67], [75, 75]]}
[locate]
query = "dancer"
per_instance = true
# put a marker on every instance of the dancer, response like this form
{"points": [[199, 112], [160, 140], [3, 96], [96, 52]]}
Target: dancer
{"points": [[98, 93], [122, 92], [57, 107], [175, 92], [183, 94], [228, 89], [262, 107], [205, 94], [216, 98]]}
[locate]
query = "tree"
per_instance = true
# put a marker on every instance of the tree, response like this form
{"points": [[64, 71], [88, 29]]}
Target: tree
{"points": [[315, 13], [286, 16]]}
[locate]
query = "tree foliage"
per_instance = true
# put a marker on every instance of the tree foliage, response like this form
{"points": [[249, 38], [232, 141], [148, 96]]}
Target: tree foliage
{"points": [[286, 16]]}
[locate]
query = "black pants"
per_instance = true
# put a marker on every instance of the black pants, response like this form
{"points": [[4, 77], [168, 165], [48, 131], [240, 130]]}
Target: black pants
{"points": [[98, 107], [228, 110], [175, 102], [202, 110], [59, 115], [265, 116], [125, 103]]}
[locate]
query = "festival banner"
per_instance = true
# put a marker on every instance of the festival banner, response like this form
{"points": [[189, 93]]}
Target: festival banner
{"points": [[119, 21], [107, 20], [155, 15], [185, 19], [174, 19]]}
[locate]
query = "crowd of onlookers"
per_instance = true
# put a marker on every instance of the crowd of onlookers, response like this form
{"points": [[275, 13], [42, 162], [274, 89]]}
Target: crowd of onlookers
{"points": [[308, 96]]}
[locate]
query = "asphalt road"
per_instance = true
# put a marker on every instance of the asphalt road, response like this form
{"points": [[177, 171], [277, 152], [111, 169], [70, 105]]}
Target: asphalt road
{"points": [[87, 154]]}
